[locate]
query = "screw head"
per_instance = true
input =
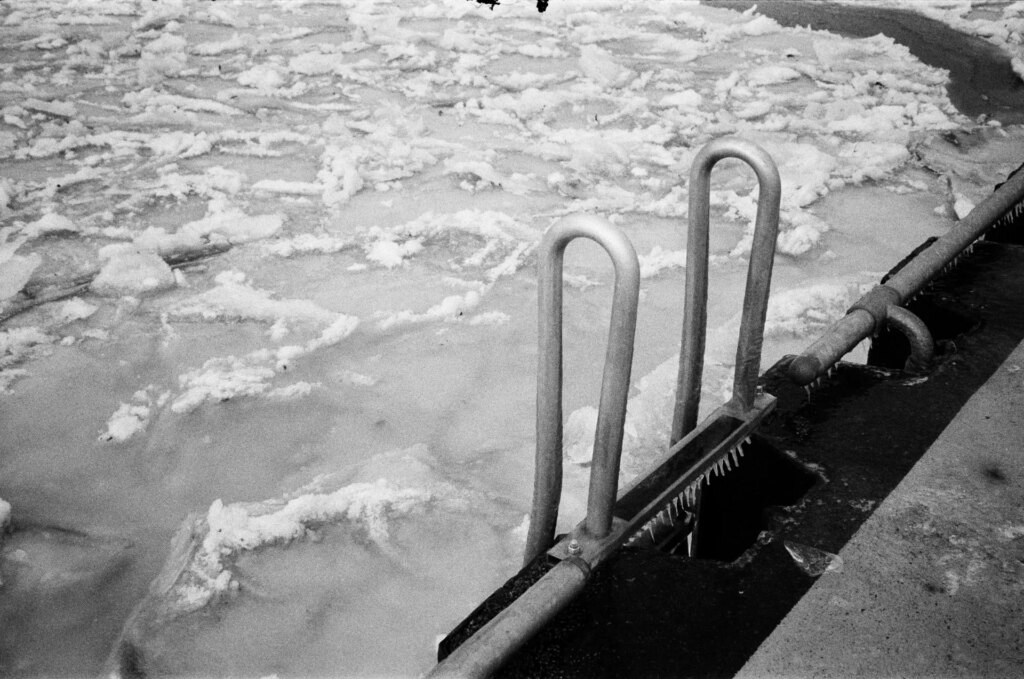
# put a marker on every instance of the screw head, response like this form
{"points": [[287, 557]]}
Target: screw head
{"points": [[574, 547]]}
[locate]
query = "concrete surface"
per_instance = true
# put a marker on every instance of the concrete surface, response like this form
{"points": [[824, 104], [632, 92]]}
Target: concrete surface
{"points": [[933, 582]]}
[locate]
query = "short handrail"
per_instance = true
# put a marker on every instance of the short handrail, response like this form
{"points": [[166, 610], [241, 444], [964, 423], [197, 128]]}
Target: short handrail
{"points": [[759, 275], [867, 315], [611, 417]]}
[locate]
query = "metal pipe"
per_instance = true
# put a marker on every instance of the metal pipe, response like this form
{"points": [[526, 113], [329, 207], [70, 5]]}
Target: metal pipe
{"points": [[909, 280], [604, 474], [847, 332], [483, 653], [922, 347], [759, 272]]}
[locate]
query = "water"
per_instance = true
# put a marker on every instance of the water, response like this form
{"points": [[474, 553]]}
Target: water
{"points": [[433, 391], [981, 80]]}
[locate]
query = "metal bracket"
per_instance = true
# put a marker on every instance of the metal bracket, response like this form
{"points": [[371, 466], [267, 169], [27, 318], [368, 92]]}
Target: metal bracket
{"points": [[922, 346]]}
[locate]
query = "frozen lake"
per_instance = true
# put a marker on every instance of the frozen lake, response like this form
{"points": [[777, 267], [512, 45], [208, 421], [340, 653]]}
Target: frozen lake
{"points": [[330, 392]]}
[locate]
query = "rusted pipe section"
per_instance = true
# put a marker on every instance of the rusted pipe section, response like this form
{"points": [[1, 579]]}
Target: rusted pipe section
{"points": [[922, 347], [604, 474], [759, 274], [483, 653], [847, 332]]}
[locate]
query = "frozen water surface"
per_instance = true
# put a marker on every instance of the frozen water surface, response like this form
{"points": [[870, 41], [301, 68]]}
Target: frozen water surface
{"points": [[288, 249]]}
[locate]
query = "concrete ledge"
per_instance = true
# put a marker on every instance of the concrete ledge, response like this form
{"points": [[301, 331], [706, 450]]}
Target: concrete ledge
{"points": [[933, 582]]}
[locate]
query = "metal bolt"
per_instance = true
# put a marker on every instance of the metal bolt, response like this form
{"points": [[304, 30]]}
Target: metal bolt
{"points": [[574, 547]]}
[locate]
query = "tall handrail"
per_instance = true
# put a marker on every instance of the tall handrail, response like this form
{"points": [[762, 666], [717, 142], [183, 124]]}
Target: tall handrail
{"points": [[759, 275], [604, 474]]}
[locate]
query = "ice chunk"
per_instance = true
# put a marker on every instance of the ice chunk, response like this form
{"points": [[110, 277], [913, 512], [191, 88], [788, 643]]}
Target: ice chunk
{"points": [[7, 190], [686, 100], [390, 254], [292, 391], [772, 75], [308, 243], [289, 187], [962, 206], [232, 298], [450, 309], [51, 222], [15, 270], [75, 309], [599, 66], [15, 345], [5, 515], [263, 77], [807, 311], [578, 445], [753, 109], [221, 379], [1018, 66], [161, 58], [181, 144], [126, 422], [159, 13], [480, 174], [127, 270], [236, 226], [61, 109], [814, 561], [209, 49], [660, 259], [224, 378]]}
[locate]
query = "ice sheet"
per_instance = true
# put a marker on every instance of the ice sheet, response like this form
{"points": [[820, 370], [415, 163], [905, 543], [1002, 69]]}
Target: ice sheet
{"points": [[298, 240]]}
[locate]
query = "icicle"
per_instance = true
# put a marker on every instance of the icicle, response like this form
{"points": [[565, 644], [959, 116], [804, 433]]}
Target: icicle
{"points": [[807, 390], [650, 528], [725, 460], [735, 457]]}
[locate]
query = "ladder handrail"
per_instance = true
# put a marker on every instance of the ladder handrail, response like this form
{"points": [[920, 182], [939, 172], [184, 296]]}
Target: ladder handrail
{"points": [[604, 475], [759, 274]]}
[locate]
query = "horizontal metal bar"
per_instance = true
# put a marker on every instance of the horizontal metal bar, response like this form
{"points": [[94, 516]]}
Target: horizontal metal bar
{"points": [[483, 653], [847, 332], [594, 550]]}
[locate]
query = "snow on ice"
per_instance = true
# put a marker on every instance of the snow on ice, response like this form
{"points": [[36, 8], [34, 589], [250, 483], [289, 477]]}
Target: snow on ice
{"points": [[271, 263]]}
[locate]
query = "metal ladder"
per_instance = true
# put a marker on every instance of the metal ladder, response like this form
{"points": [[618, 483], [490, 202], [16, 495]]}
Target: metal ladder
{"points": [[696, 452]]}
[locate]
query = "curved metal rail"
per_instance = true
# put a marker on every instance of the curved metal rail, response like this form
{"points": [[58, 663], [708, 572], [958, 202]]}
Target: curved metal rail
{"points": [[871, 310], [604, 475], [922, 346], [692, 459], [759, 275]]}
